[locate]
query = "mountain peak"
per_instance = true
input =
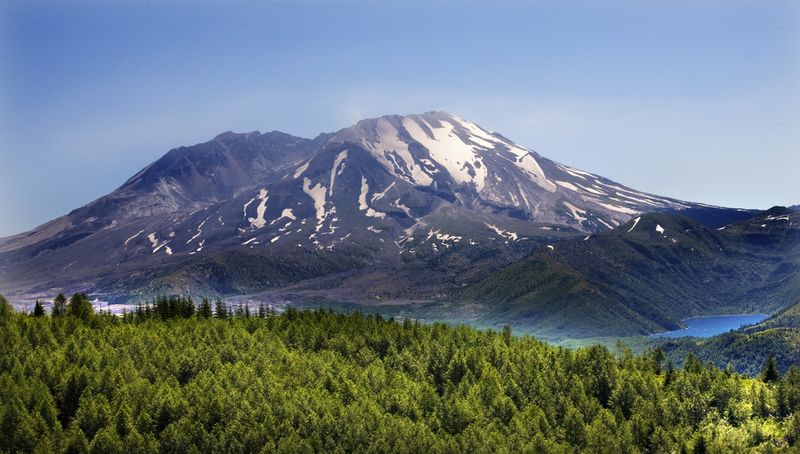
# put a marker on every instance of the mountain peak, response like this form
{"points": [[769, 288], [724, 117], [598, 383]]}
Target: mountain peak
{"points": [[444, 152], [437, 114], [400, 186], [780, 210]]}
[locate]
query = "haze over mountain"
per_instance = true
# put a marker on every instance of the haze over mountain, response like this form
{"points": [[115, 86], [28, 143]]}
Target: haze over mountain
{"points": [[432, 200]]}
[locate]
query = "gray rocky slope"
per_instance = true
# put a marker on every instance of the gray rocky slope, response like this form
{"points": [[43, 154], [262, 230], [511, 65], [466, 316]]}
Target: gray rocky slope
{"points": [[430, 198]]}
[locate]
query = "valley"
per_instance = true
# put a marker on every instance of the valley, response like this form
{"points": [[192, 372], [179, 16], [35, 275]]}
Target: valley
{"points": [[399, 227]]}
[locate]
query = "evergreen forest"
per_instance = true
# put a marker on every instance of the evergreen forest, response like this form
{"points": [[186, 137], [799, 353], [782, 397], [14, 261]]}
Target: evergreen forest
{"points": [[178, 376]]}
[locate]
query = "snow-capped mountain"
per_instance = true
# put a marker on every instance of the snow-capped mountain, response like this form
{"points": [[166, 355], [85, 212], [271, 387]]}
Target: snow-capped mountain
{"points": [[486, 171], [186, 178], [381, 192]]}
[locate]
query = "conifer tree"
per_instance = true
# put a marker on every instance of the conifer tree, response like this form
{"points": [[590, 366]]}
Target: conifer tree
{"points": [[692, 364], [770, 373], [5, 308], [79, 306], [351, 383], [204, 311], [658, 360], [38, 309], [220, 311], [60, 305]]}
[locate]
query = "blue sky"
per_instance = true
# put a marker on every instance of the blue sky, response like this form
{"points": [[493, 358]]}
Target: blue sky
{"points": [[690, 99]]}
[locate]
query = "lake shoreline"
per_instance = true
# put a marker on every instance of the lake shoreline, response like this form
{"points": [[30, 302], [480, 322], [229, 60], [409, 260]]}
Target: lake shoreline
{"points": [[711, 325]]}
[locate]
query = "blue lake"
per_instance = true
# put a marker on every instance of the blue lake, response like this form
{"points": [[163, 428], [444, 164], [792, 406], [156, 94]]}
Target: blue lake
{"points": [[713, 325]]}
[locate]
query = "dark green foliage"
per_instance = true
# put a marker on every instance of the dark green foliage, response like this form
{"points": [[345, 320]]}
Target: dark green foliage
{"points": [[164, 378], [173, 307], [770, 373], [204, 311], [789, 317], [220, 311], [700, 446], [658, 358], [5, 309], [79, 306], [59, 305], [38, 309], [631, 281], [749, 349]]}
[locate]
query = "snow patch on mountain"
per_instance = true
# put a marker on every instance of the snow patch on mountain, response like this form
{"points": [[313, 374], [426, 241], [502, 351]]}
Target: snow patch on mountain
{"points": [[459, 159], [635, 222], [317, 194], [593, 190], [405, 209], [477, 134], [156, 245], [337, 169], [362, 196], [389, 147], [568, 185], [288, 213], [132, 237], [259, 221], [579, 173], [576, 212], [503, 233], [244, 208], [362, 201], [529, 164], [616, 208], [607, 225], [446, 239], [382, 194], [199, 231], [784, 217], [300, 170]]}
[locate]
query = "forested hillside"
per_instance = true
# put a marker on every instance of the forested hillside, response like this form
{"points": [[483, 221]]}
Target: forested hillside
{"points": [[647, 276], [175, 378], [747, 349]]}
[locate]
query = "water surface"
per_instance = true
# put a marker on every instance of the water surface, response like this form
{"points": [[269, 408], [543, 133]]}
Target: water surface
{"points": [[712, 325]]}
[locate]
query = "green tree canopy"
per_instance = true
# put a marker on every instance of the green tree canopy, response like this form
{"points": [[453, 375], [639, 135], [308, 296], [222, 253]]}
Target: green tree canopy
{"points": [[79, 306], [770, 373], [59, 305], [163, 379]]}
